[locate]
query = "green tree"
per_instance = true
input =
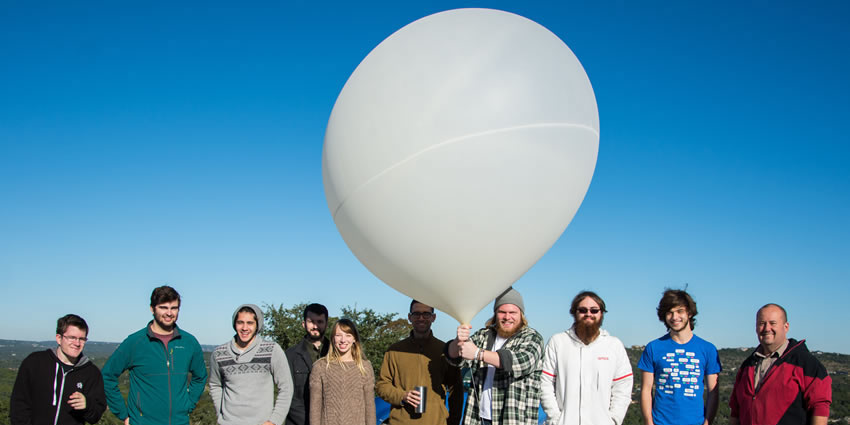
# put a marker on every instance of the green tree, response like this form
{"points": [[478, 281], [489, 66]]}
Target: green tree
{"points": [[377, 330], [283, 325]]}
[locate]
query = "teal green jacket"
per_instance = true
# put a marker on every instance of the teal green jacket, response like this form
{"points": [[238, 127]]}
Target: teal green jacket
{"points": [[160, 390]]}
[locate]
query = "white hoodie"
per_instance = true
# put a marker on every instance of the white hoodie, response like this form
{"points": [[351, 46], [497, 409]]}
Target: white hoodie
{"points": [[585, 384]]}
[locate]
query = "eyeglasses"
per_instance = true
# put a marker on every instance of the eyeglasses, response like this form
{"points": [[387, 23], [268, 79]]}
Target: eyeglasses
{"points": [[75, 339], [584, 310], [421, 314]]}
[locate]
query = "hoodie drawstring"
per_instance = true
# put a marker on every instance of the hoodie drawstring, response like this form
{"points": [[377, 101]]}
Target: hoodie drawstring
{"points": [[55, 375]]}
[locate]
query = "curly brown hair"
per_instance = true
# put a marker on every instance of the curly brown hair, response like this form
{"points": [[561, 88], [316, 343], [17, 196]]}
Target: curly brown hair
{"points": [[673, 298]]}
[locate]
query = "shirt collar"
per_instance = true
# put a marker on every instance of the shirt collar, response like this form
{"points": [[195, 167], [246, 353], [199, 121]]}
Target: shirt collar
{"points": [[778, 353]]}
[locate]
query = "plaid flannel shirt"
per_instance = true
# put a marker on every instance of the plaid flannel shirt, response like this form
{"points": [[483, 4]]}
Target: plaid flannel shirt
{"points": [[516, 387]]}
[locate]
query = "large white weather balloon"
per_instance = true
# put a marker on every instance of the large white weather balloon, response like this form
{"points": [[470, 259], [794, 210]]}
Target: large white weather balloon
{"points": [[458, 152]]}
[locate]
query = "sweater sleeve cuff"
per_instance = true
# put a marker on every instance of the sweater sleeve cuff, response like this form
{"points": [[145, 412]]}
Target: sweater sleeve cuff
{"points": [[454, 361], [506, 359]]}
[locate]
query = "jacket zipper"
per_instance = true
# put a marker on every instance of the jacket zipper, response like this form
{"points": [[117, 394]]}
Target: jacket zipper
{"points": [[580, 387], [168, 373]]}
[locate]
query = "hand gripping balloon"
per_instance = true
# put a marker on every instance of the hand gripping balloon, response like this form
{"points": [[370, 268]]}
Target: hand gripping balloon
{"points": [[458, 152]]}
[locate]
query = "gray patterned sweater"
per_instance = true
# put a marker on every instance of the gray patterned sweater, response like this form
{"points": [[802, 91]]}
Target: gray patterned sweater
{"points": [[241, 383]]}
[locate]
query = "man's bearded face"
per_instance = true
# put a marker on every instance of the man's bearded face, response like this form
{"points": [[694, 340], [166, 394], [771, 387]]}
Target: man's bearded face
{"points": [[588, 320], [508, 320]]}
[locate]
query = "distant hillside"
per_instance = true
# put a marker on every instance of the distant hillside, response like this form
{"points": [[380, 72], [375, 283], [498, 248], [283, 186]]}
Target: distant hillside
{"points": [[12, 352], [838, 365]]}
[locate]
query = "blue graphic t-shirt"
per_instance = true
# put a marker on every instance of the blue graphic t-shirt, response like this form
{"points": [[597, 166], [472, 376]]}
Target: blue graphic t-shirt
{"points": [[679, 371]]}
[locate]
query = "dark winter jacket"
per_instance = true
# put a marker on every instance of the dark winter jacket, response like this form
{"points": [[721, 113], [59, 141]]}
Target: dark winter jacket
{"points": [[796, 386], [43, 388], [300, 364]]}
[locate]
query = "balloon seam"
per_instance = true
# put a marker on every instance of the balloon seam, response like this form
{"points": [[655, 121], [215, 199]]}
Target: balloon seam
{"points": [[455, 140]]}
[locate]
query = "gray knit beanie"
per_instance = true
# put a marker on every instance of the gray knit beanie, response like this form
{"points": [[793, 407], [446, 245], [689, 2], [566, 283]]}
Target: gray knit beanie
{"points": [[510, 296], [257, 311]]}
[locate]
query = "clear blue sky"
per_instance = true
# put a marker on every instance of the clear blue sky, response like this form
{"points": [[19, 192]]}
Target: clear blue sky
{"points": [[180, 143]]}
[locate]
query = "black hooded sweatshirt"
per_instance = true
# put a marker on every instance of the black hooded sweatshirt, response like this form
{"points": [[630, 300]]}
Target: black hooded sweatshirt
{"points": [[43, 388]]}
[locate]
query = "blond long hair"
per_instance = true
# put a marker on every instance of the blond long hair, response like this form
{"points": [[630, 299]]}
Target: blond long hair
{"points": [[334, 356]]}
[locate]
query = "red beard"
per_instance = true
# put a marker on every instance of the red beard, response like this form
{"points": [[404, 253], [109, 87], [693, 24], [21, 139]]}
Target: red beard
{"points": [[587, 331], [505, 333]]}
